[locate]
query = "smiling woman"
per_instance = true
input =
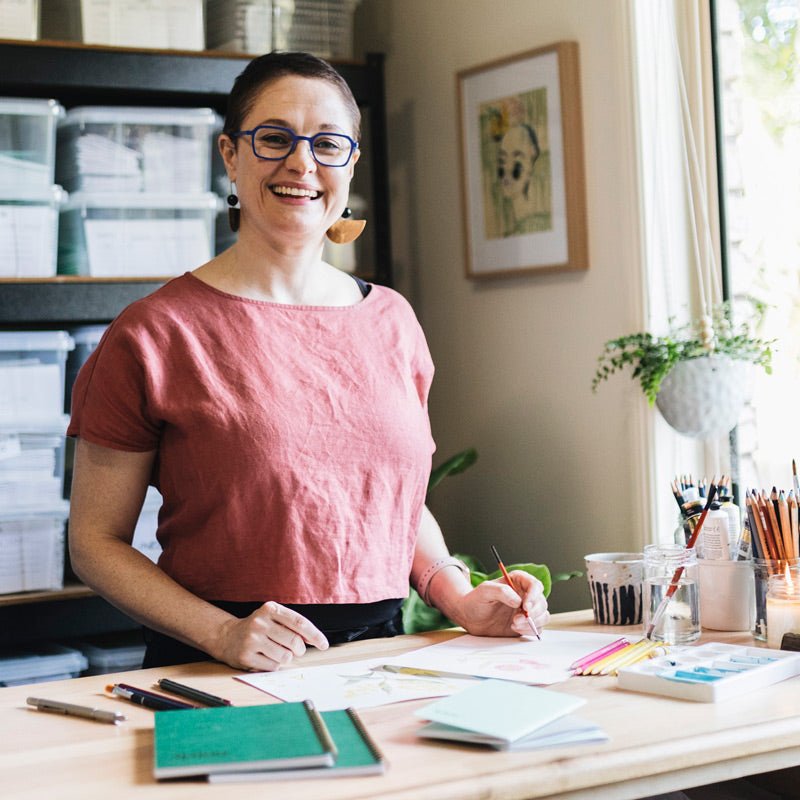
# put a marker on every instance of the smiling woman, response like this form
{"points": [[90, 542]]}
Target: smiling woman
{"points": [[293, 471]]}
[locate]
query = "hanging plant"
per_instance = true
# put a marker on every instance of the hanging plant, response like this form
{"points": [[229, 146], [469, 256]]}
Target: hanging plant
{"points": [[718, 346]]}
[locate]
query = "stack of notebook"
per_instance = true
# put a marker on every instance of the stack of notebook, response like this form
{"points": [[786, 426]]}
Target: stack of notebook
{"points": [[508, 716], [267, 742]]}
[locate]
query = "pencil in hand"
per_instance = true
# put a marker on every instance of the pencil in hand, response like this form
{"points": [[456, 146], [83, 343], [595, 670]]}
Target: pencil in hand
{"points": [[513, 586]]}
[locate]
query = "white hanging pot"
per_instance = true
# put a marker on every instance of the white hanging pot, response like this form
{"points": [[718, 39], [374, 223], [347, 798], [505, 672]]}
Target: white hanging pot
{"points": [[703, 397]]}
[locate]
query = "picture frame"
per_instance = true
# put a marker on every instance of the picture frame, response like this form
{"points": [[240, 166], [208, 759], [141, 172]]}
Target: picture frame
{"points": [[523, 193]]}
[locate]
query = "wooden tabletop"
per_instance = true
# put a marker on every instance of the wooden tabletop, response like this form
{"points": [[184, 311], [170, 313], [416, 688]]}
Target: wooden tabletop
{"points": [[656, 744]]}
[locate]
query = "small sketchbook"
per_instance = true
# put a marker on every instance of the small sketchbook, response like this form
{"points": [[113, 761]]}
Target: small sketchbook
{"points": [[503, 711], [567, 730], [207, 741], [357, 754]]}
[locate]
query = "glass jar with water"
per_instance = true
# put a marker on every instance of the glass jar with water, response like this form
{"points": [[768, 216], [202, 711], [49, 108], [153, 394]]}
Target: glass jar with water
{"points": [[673, 612]]}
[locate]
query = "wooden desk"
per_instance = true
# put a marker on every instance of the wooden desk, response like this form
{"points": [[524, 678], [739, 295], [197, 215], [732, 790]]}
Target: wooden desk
{"points": [[657, 744]]}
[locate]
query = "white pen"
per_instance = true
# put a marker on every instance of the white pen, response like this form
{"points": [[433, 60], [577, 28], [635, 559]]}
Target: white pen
{"points": [[72, 710]]}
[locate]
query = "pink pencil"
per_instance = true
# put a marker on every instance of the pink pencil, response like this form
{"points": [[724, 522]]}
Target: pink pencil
{"points": [[596, 655]]}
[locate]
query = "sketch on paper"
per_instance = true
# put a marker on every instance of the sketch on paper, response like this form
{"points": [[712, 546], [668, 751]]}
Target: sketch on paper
{"points": [[360, 684]]}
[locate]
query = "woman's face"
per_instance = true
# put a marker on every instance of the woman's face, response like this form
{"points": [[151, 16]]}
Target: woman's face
{"points": [[296, 197]]}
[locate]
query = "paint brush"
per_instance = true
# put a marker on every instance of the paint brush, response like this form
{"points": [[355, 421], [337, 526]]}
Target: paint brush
{"points": [[513, 586], [673, 586]]}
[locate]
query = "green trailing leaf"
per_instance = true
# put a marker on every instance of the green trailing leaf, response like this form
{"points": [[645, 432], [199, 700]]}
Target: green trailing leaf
{"points": [[455, 464], [650, 358]]}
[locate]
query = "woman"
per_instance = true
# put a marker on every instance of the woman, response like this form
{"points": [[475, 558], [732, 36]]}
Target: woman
{"points": [[280, 407]]}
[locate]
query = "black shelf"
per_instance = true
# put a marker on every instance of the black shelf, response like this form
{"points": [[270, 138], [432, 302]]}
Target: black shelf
{"points": [[76, 74]]}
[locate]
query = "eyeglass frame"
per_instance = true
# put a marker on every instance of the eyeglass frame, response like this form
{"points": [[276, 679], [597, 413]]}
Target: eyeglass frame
{"points": [[295, 139]]}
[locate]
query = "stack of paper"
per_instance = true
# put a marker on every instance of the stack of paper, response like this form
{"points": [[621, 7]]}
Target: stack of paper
{"points": [[508, 716], [32, 553], [173, 163], [257, 743], [29, 474]]}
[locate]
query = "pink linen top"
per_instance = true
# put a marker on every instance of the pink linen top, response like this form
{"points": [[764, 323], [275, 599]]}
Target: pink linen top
{"points": [[293, 442]]}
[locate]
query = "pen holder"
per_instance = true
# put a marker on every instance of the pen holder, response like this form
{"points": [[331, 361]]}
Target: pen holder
{"points": [[615, 582], [762, 569], [727, 594]]}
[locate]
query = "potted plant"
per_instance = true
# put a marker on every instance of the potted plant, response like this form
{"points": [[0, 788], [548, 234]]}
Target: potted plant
{"points": [[697, 374], [417, 616]]}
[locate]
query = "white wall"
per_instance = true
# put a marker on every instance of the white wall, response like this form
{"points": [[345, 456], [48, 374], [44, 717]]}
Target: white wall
{"points": [[557, 473]]}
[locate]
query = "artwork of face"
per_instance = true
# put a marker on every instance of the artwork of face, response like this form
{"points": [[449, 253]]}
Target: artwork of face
{"points": [[516, 157]]}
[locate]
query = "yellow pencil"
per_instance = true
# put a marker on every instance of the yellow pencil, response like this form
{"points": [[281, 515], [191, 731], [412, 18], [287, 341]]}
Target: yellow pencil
{"points": [[599, 667], [657, 649]]}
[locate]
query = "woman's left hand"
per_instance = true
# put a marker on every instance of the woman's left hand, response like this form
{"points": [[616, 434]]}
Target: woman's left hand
{"points": [[493, 608]]}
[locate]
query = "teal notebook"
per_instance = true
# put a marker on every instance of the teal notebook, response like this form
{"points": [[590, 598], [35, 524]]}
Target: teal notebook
{"points": [[502, 711], [207, 741], [357, 754]]}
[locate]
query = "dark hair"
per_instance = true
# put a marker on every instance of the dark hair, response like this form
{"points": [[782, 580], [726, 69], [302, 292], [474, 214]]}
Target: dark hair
{"points": [[271, 66]]}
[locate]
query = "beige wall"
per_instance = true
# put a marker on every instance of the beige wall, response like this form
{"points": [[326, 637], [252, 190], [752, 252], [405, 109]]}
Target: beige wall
{"points": [[515, 357]]}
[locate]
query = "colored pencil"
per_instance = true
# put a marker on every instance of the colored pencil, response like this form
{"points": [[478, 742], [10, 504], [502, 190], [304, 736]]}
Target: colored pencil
{"points": [[596, 655]]}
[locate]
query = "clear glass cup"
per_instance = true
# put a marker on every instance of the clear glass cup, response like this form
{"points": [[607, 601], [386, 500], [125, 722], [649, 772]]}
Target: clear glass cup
{"points": [[763, 568], [676, 619]]}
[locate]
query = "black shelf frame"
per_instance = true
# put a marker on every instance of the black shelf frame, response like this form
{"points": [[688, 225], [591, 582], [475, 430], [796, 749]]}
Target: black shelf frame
{"points": [[77, 74]]}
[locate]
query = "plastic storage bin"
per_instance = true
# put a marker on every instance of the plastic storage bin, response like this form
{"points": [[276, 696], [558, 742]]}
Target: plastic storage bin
{"points": [[32, 465], [32, 370], [135, 235], [165, 24], [133, 149], [29, 232], [113, 652], [32, 550], [322, 27], [27, 143], [86, 338], [47, 662]]}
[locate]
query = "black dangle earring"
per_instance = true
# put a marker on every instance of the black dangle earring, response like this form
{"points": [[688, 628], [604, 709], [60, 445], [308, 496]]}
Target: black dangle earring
{"points": [[234, 211]]}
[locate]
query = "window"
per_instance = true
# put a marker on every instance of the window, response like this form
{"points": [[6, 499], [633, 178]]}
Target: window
{"points": [[758, 85]]}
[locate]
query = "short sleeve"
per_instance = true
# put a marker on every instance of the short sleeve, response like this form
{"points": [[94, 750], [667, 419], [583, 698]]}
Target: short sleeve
{"points": [[110, 398]]}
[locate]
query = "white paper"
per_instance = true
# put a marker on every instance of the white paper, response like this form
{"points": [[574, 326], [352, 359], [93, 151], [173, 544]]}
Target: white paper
{"points": [[525, 659], [359, 684], [145, 247], [30, 392], [27, 241]]}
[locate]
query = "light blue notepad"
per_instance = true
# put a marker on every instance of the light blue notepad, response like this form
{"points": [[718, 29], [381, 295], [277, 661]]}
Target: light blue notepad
{"points": [[502, 710]]}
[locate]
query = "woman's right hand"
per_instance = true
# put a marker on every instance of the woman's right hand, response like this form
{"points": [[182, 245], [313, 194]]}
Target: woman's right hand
{"points": [[268, 639]]}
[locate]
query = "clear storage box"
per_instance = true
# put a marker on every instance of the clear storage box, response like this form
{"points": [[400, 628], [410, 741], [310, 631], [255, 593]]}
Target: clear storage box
{"points": [[165, 24], [136, 149], [322, 27], [86, 337], [32, 465], [32, 369], [118, 652], [135, 235], [34, 664], [32, 550], [29, 232], [27, 143]]}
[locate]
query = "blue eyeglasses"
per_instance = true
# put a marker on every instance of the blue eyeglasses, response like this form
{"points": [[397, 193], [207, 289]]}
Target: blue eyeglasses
{"points": [[272, 143]]}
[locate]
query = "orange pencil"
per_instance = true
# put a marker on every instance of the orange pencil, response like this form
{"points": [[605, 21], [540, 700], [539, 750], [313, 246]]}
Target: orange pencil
{"points": [[512, 585]]}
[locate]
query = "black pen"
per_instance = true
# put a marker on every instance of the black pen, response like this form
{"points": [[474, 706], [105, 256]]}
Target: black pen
{"points": [[192, 694], [147, 699]]}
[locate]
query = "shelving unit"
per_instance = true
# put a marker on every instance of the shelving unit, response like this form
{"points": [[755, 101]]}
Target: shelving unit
{"points": [[75, 75]]}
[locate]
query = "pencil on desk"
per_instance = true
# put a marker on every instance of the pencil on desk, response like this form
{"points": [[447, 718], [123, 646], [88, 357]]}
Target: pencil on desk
{"points": [[598, 667], [596, 655]]}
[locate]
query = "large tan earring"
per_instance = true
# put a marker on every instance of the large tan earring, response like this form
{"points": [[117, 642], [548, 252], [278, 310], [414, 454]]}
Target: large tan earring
{"points": [[346, 230]]}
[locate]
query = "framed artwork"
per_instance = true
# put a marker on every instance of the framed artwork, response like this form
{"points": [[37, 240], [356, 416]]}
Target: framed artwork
{"points": [[522, 164]]}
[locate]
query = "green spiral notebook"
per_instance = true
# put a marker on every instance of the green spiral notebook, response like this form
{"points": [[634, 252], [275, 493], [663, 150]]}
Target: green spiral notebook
{"points": [[357, 754], [210, 741]]}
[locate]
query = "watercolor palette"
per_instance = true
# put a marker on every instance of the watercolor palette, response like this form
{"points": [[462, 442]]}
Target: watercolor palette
{"points": [[710, 672]]}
